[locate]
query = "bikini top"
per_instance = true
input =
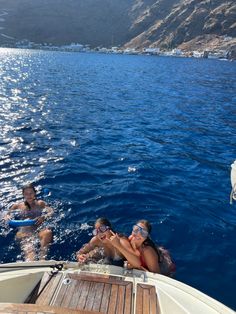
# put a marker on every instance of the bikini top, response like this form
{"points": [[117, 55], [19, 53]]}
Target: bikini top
{"points": [[117, 257], [32, 213]]}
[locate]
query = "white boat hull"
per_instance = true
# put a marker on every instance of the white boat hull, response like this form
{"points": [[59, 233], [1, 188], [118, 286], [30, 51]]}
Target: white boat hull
{"points": [[173, 296]]}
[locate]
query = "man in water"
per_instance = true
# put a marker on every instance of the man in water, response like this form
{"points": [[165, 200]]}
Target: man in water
{"points": [[32, 208]]}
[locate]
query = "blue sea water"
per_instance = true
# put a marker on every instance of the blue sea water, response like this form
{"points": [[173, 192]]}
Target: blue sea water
{"points": [[126, 137]]}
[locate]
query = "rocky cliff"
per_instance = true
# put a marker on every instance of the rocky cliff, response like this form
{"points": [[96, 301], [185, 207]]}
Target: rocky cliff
{"points": [[184, 24], [129, 23]]}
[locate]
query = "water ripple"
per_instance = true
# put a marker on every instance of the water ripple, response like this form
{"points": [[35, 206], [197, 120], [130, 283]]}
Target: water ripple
{"points": [[125, 137]]}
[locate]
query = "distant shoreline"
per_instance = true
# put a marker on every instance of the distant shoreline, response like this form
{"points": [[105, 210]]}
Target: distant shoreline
{"points": [[217, 54]]}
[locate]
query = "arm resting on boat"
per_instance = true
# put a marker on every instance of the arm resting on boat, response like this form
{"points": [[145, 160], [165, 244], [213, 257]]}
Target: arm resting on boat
{"points": [[124, 247], [82, 254]]}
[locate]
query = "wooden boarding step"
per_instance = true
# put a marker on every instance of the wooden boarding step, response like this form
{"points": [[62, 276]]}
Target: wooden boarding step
{"points": [[13, 308], [146, 300], [101, 293], [45, 289]]}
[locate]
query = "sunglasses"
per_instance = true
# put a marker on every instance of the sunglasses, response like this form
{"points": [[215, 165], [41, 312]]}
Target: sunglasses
{"points": [[100, 229], [137, 229]]}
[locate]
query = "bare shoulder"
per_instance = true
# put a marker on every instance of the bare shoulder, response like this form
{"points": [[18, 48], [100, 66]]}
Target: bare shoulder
{"points": [[95, 242], [148, 250], [125, 242], [41, 203], [151, 259], [15, 206]]}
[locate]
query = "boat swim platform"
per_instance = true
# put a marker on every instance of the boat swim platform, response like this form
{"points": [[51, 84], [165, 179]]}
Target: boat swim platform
{"points": [[33, 287], [10, 308], [86, 294]]}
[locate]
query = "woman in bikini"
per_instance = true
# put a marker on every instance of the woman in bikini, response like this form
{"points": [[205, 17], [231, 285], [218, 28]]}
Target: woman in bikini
{"points": [[143, 253], [32, 208], [100, 247]]}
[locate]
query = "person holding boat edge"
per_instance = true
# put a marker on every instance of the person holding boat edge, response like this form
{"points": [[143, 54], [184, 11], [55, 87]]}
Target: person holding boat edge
{"points": [[143, 253], [100, 247]]}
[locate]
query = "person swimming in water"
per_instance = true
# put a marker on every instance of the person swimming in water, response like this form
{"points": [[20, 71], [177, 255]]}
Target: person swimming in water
{"points": [[143, 253], [100, 247], [32, 208]]}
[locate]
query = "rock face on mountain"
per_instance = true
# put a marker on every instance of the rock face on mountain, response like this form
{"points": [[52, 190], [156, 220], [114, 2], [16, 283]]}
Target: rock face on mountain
{"points": [[129, 23], [172, 23]]}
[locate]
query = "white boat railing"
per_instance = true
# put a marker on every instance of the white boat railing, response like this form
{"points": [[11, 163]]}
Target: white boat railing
{"points": [[233, 183]]}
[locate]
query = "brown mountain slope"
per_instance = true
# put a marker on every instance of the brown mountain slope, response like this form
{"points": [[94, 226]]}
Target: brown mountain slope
{"points": [[129, 23], [185, 21]]}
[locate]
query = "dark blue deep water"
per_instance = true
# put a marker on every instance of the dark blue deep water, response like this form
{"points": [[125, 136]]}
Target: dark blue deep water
{"points": [[125, 137]]}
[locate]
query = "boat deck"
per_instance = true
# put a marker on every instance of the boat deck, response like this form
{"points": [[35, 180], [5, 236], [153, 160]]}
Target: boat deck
{"points": [[10, 308], [85, 294]]}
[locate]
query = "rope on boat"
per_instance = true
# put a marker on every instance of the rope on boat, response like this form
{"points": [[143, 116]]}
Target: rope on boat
{"points": [[57, 266]]}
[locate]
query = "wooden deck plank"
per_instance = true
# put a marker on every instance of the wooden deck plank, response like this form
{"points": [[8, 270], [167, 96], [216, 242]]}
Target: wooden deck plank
{"points": [[154, 305], [60, 296], [49, 291], [117, 278], [146, 300], [113, 300], [85, 274], [99, 278], [91, 296], [70, 293], [84, 295], [74, 300], [120, 299], [128, 298], [139, 300], [98, 296], [105, 298], [13, 308]]}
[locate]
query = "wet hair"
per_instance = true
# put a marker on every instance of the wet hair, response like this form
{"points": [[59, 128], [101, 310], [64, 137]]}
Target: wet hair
{"points": [[146, 223], [148, 241], [29, 186], [25, 187], [103, 221]]}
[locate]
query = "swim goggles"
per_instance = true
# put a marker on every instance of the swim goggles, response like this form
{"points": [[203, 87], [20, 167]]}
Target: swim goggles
{"points": [[100, 229], [137, 229]]}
